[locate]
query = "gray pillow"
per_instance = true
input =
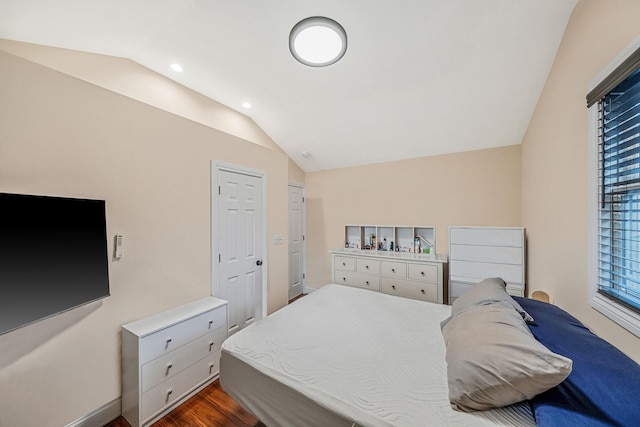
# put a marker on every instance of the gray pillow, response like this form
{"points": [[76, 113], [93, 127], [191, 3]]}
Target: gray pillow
{"points": [[493, 360], [487, 292]]}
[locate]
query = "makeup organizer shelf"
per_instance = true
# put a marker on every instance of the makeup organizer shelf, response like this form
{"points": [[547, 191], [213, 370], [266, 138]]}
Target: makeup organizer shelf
{"points": [[391, 238]]}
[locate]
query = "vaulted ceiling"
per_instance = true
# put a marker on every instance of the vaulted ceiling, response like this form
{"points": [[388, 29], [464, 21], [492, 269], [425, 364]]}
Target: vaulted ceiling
{"points": [[419, 78]]}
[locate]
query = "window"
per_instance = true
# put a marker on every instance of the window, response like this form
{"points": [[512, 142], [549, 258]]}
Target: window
{"points": [[614, 106], [619, 192]]}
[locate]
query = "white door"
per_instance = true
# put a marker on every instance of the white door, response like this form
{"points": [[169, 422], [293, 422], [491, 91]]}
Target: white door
{"points": [[296, 240], [240, 245]]}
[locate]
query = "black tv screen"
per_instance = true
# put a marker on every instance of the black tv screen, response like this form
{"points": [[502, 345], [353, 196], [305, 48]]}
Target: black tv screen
{"points": [[53, 256]]}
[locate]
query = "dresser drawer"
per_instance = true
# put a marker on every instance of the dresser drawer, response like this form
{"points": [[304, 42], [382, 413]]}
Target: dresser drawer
{"points": [[515, 290], [168, 339], [170, 364], [487, 236], [174, 388], [423, 272], [490, 254], [345, 263], [367, 266], [394, 269], [357, 280], [458, 288], [470, 271], [409, 289]]}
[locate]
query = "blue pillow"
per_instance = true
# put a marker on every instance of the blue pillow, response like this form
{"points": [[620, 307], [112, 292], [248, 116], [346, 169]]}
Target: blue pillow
{"points": [[604, 386]]}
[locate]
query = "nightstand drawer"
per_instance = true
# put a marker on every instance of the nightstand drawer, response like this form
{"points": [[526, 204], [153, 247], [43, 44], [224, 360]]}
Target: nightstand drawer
{"points": [[345, 263], [168, 339], [423, 272], [164, 367], [393, 269]]}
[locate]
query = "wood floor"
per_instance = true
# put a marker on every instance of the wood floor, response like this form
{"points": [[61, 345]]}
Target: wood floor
{"points": [[210, 407]]}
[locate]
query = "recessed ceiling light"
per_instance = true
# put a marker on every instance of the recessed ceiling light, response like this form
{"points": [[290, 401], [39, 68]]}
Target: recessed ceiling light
{"points": [[177, 68], [246, 104], [318, 41]]}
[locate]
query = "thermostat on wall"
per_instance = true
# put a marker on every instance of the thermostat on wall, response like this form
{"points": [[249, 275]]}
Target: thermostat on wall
{"points": [[117, 253]]}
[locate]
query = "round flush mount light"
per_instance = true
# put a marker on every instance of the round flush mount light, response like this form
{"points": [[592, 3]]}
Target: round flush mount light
{"points": [[318, 41], [177, 68]]}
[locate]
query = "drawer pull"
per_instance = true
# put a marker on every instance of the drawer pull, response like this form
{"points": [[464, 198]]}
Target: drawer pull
{"points": [[393, 287], [211, 365], [344, 264], [422, 272], [366, 266], [210, 323], [367, 283], [210, 345], [422, 290], [393, 270], [344, 279], [169, 394], [168, 342]]}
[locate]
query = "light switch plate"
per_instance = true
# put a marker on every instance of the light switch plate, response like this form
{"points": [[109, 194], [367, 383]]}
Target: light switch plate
{"points": [[277, 239]]}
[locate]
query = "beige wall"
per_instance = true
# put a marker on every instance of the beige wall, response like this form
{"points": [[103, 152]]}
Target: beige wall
{"points": [[127, 78], [63, 136], [554, 198], [296, 174], [471, 188]]}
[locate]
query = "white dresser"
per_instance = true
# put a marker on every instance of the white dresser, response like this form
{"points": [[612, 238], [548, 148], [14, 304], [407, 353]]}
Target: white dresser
{"points": [[478, 253], [403, 274], [168, 357]]}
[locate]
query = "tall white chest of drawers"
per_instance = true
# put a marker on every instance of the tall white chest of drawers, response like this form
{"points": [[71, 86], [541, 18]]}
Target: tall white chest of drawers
{"points": [[168, 357], [477, 253]]}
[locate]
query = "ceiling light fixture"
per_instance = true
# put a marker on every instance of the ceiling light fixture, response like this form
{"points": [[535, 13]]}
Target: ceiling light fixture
{"points": [[318, 41], [177, 68], [246, 104]]}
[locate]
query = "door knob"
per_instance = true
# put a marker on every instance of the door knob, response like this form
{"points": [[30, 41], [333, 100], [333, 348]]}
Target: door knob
{"points": [[259, 262]]}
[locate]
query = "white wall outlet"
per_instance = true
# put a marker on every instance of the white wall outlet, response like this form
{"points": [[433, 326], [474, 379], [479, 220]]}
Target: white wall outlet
{"points": [[277, 239]]}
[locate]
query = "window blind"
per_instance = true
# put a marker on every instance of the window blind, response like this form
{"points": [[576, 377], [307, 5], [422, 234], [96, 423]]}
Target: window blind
{"points": [[619, 191], [624, 70]]}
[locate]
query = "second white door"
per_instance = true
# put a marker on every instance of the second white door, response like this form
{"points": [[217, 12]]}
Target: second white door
{"points": [[296, 240]]}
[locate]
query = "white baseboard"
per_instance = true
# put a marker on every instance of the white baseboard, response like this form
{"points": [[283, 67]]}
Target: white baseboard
{"points": [[100, 416], [308, 290]]}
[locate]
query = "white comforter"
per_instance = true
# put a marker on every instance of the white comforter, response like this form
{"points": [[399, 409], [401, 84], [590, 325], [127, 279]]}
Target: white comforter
{"points": [[375, 359]]}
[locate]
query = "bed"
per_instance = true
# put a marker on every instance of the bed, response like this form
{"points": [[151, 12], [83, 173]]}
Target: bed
{"points": [[343, 356]]}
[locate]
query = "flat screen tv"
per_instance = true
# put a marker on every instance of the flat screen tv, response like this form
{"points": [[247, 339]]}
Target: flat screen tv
{"points": [[53, 256]]}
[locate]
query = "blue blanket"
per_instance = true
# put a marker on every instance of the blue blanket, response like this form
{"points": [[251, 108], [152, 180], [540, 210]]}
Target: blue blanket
{"points": [[603, 388]]}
